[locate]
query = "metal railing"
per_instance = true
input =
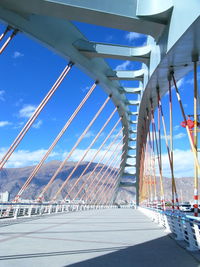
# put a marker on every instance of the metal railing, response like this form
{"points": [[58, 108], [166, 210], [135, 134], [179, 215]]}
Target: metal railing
{"points": [[184, 227], [18, 210]]}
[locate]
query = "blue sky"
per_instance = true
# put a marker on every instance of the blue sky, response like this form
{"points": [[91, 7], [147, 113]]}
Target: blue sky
{"points": [[29, 70]]}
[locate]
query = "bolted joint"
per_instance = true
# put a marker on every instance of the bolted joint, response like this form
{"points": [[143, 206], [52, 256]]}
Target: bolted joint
{"points": [[195, 58], [15, 32], [71, 63]]}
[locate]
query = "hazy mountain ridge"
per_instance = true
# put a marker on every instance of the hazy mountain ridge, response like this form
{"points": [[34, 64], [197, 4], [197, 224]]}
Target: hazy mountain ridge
{"points": [[12, 179], [184, 185]]}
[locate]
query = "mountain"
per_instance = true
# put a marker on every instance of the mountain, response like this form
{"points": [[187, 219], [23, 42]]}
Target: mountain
{"points": [[12, 179], [184, 185]]}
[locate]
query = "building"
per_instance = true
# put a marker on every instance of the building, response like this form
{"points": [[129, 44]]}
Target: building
{"points": [[4, 196]]}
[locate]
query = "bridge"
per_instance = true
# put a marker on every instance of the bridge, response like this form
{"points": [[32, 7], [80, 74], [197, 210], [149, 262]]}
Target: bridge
{"points": [[130, 124]]}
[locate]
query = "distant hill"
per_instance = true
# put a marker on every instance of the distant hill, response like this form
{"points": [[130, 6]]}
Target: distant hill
{"points": [[12, 179], [184, 187]]}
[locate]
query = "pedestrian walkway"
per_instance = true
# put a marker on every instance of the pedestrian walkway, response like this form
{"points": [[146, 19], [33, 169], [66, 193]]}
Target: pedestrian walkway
{"points": [[111, 237]]}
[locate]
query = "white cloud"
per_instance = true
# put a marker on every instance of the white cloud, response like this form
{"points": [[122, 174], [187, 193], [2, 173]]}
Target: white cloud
{"points": [[37, 124], [163, 136], [27, 111], [176, 128], [113, 136], [85, 89], [17, 54], [183, 164], [191, 81], [22, 158], [131, 36], [78, 154], [179, 135], [183, 159], [180, 82], [123, 66], [19, 125], [2, 92], [175, 136], [4, 123], [19, 102], [89, 134]]}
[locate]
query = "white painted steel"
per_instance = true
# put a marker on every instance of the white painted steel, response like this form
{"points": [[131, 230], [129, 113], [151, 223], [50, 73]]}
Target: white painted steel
{"points": [[185, 228], [26, 210]]}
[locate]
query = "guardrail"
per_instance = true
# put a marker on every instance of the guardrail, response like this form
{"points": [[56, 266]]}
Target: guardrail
{"points": [[186, 228], [17, 210]]}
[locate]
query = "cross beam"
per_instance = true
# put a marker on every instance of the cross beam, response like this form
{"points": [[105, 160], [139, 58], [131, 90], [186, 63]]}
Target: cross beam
{"points": [[92, 49], [128, 75]]}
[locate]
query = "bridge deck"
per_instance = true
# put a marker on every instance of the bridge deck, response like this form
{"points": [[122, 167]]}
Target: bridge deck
{"points": [[118, 237]]}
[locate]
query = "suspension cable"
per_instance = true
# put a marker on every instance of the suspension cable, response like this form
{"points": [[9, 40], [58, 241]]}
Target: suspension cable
{"points": [[154, 171], [151, 141], [170, 150], [5, 32], [88, 165], [101, 160], [149, 161], [39, 165], [8, 40], [107, 186], [82, 158], [102, 168], [146, 172], [109, 170], [106, 191], [108, 181], [160, 149], [195, 139], [113, 190], [186, 126], [34, 116], [141, 182], [73, 149], [171, 143], [147, 175], [108, 176], [97, 136], [147, 158], [144, 188], [159, 160]]}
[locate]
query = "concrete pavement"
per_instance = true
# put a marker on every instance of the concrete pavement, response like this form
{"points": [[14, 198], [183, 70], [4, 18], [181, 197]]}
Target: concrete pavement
{"points": [[112, 237]]}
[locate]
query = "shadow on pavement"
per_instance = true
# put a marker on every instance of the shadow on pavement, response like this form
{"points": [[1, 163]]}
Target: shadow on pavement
{"points": [[161, 252]]}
